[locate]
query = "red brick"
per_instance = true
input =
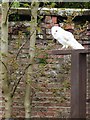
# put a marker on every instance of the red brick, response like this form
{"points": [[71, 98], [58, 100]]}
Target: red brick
{"points": [[54, 20]]}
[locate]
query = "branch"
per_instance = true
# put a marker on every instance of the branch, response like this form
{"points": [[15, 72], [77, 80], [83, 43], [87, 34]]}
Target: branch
{"points": [[4, 65], [6, 70], [16, 84], [25, 41], [8, 12], [22, 46]]}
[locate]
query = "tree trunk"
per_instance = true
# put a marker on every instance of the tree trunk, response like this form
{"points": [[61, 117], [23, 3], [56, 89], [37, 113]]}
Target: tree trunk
{"points": [[4, 58], [28, 99]]}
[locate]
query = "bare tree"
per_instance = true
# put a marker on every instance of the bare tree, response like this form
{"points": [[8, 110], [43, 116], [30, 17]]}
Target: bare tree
{"points": [[34, 11], [4, 58]]}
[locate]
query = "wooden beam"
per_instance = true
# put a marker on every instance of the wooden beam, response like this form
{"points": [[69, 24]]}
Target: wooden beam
{"points": [[67, 52]]}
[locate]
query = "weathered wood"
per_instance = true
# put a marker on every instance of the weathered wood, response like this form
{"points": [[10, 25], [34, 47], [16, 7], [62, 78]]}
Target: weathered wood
{"points": [[67, 52], [78, 80], [78, 84]]}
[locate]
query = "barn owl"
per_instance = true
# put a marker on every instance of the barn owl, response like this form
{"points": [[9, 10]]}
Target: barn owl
{"points": [[65, 38]]}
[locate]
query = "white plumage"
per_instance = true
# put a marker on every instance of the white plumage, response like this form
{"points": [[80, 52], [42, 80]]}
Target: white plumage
{"points": [[65, 38]]}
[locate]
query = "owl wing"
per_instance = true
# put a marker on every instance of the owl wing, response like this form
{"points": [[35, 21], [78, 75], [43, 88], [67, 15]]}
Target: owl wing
{"points": [[71, 41]]}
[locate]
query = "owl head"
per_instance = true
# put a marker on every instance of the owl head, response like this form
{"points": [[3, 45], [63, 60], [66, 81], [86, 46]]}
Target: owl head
{"points": [[55, 31]]}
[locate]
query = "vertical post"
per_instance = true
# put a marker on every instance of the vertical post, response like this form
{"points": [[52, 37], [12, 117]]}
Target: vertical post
{"points": [[78, 84], [88, 70]]}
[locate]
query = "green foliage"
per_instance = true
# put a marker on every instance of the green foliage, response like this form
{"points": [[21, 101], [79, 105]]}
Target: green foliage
{"points": [[41, 61], [74, 5], [41, 58], [15, 16], [67, 4], [55, 4], [26, 5], [70, 4], [16, 4]]}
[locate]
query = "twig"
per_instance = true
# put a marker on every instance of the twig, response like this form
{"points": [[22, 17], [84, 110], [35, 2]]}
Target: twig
{"points": [[16, 84], [22, 46], [6, 70], [4, 65]]}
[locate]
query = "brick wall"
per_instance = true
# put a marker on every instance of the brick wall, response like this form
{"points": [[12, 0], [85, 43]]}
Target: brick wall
{"points": [[47, 94], [49, 99], [51, 80]]}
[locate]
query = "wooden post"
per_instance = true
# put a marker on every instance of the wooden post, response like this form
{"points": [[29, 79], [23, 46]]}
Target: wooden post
{"points": [[88, 71], [78, 80], [78, 84]]}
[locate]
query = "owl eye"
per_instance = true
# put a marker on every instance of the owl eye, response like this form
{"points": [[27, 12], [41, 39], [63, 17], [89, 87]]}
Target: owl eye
{"points": [[56, 31]]}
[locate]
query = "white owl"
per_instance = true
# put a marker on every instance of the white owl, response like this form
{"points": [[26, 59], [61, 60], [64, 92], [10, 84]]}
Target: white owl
{"points": [[65, 38]]}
